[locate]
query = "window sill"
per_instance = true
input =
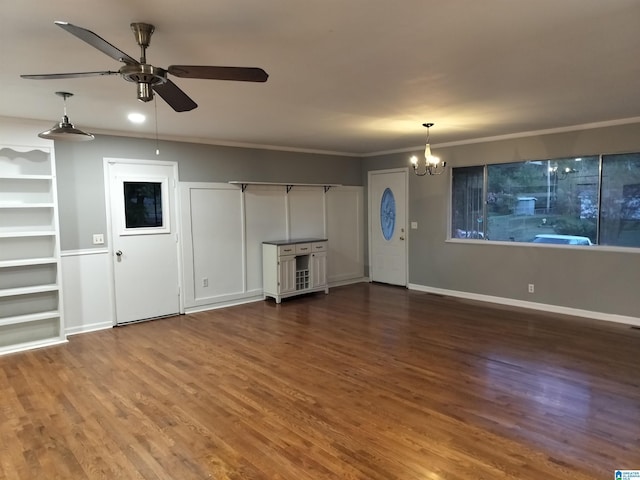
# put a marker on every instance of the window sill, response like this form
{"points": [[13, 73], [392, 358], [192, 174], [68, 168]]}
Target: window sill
{"points": [[596, 248]]}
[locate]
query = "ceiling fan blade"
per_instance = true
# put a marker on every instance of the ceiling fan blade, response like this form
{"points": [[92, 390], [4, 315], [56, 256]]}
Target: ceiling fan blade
{"points": [[241, 74], [176, 98], [97, 42], [55, 76]]}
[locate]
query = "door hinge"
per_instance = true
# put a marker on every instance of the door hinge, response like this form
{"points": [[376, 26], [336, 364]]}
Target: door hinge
{"points": [[177, 238]]}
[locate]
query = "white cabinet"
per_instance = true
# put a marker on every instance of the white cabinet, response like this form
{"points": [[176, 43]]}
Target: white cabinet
{"points": [[30, 298], [294, 267]]}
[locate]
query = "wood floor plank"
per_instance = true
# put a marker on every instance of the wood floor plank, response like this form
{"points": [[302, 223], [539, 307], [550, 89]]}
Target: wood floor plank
{"points": [[370, 382]]}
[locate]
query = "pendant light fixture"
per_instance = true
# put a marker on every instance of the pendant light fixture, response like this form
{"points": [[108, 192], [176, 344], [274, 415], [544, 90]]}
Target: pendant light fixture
{"points": [[432, 164], [65, 129]]}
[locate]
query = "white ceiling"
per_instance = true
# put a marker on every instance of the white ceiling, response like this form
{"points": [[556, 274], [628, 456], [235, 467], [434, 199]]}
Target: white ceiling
{"points": [[356, 76]]}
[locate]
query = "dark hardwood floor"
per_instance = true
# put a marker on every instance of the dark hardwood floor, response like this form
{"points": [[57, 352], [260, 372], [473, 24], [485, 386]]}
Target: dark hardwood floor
{"points": [[369, 382]]}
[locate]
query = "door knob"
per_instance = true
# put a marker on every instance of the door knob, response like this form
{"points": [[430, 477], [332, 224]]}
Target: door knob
{"points": [[119, 253]]}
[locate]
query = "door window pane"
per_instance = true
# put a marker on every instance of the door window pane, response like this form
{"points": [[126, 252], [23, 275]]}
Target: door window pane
{"points": [[620, 218], [143, 204], [387, 214]]}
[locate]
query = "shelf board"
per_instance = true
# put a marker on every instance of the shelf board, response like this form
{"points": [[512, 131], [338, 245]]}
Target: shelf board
{"points": [[289, 185], [33, 233], [24, 262], [18, 176], [26, 205], [12, 292], [31, 317]]}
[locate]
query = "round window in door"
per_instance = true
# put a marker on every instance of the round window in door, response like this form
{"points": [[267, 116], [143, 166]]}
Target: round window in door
{"points": [[387, 214]]}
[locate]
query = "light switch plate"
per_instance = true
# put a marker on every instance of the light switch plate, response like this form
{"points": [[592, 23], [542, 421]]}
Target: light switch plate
{"points": [[414, 225], [98, 239]]}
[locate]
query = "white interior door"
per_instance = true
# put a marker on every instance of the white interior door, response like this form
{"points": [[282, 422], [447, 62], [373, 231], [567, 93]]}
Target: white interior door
{"points": [[388, 226], [144, 241]]}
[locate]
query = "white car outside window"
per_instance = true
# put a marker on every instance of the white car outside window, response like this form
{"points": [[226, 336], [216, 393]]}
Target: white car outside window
{"points": [[562, 239]]}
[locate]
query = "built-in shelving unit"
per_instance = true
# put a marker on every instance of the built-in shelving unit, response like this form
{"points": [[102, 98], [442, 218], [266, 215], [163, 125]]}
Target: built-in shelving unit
{"points": [[30, 295]]}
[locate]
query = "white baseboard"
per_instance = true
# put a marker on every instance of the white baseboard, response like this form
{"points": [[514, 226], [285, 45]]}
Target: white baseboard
{"points": [[22, 347], [577, 312], [341, 283], [92, 327], [230, 303]]}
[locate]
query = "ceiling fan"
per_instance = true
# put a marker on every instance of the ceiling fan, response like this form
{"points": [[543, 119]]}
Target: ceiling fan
{"points": [[147, 77]]}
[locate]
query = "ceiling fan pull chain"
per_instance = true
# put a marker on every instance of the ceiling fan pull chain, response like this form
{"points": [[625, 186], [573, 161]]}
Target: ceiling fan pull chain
{"points": [[155, 106]]}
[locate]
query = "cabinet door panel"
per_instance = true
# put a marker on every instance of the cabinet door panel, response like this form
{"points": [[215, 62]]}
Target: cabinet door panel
{"points": [[319, 270], [286, 274]]}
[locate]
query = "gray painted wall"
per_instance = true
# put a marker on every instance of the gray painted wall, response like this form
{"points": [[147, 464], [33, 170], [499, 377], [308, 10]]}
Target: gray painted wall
{"points": [[80, 174], [595, 279]]}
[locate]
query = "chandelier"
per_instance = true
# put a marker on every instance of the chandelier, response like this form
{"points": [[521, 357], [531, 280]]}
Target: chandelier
{"points": [[432, 164]]}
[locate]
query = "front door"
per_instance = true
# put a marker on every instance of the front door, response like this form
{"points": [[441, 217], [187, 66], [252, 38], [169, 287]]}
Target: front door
{"points": [[144, 242], [387, 226]]}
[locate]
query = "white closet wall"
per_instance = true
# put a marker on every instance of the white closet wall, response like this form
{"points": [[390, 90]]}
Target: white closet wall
{"points": [[306, 212], [224, 227], [266, 219], [345, 228]]}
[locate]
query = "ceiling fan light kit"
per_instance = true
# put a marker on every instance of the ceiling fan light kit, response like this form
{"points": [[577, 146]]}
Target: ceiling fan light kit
{"points": [[65, 129], [150, 79]]}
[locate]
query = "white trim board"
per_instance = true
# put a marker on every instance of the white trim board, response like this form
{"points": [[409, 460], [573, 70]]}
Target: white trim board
{"points": [[544, 307], [88, 292], [88, 328]]}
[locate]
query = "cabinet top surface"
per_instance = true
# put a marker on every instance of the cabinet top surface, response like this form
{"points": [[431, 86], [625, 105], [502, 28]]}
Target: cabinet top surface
{"points": [[294, 241]]}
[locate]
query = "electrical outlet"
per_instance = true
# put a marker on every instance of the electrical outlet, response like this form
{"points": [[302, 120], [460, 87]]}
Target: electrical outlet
{"points": [[98, 239], [532, 288], [205, 282]]}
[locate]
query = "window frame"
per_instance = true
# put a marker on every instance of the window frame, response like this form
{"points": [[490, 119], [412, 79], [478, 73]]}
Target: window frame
{"points": [[164, 192]]}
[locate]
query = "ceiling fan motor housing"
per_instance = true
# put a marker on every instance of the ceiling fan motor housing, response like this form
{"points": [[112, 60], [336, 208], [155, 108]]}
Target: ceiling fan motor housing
{"points": [[145, 76]]}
